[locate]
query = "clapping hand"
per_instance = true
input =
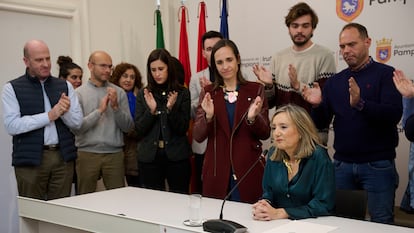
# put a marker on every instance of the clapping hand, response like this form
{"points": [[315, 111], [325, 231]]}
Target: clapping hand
{"points": [[172, 98], [293, 76], [263, 75], [403, 84], [313, 94], [149, 99], [112, 97], [60, 108], [255, 108], [354, 92], [204, 82], [208, 106]]}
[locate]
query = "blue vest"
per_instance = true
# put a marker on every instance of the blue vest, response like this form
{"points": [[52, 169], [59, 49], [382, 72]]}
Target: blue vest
{"points": [[28, 147]]}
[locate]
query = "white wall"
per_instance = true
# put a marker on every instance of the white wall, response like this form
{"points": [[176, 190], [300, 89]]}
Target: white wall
{"points": [[125, 29], [58, 25]]}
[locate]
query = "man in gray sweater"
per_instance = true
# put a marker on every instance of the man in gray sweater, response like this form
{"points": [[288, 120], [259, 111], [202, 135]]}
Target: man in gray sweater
{"points": [[100, 138]]}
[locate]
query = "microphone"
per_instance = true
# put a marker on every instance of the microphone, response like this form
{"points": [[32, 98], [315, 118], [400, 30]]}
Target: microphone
{"points": [[227, 226]]}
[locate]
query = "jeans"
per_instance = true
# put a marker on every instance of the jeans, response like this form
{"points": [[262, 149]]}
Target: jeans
{"points": [[378, 178], [408, 198]]}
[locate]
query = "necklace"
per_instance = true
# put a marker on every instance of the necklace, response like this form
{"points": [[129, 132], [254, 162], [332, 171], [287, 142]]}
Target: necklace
{"points": [[230, 96], [288, 165]]}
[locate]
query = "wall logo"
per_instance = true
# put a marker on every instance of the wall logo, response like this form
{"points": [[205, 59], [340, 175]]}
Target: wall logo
{"points": [[348, 10], [383, 53]]}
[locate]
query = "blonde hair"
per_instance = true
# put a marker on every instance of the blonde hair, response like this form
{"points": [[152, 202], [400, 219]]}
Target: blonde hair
{"points": [[309, 137]]}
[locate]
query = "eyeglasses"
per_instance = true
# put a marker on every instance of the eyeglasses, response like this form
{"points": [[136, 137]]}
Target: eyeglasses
{"points": [[103, 66]]}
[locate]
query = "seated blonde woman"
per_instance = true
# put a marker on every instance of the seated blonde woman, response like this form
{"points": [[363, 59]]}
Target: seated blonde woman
{"points": [[299, 179]]}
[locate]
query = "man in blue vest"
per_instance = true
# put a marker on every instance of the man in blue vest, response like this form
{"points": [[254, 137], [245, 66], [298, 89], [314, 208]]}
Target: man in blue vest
{"points": [[39, 111]]}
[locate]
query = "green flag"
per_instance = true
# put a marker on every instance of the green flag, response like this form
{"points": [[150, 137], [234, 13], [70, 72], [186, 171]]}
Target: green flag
{"points": [[160, 33]]}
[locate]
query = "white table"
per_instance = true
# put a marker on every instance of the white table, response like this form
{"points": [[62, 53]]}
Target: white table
{"points": [[141, 210]]}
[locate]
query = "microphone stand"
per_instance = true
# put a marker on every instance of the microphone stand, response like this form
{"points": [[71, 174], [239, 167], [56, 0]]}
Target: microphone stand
{"points": [[226, 226]]}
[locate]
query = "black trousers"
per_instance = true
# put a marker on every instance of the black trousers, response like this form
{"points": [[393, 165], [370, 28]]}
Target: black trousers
{"points": [[177, 174]]}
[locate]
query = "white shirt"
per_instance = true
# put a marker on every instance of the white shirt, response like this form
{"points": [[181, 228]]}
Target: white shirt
{"points": [[15, 124]]}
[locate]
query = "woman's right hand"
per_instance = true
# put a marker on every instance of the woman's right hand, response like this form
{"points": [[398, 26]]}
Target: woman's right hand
{"points": [[208, 106], [149, 99]]}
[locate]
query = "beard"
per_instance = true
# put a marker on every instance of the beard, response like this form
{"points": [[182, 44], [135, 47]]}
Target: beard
{"points": [[301, 42]]}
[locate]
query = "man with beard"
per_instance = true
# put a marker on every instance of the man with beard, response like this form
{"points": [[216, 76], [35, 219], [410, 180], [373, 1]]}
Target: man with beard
{"points": [[366, 108], [298, 66]]}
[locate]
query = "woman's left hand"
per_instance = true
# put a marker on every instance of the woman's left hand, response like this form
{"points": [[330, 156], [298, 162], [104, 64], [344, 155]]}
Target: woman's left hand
{"points": [[172, 98], [255, 108]]}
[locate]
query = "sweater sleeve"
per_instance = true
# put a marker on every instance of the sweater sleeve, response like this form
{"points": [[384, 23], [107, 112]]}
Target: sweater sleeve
{"points": [[387, 107]]}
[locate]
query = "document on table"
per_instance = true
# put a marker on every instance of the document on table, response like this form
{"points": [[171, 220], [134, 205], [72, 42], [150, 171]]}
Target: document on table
{"points": [[298, 226]]}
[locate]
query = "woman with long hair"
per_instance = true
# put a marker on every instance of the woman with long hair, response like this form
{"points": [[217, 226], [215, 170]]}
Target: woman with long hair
{"points": [[162, 119]]}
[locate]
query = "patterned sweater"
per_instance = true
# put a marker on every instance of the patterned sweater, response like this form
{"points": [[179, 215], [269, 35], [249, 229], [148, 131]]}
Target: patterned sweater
{"points": [[315, 64]]}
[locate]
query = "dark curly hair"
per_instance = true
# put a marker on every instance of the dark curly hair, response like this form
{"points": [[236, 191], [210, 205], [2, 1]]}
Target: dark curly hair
{"points": [[121, 68]]}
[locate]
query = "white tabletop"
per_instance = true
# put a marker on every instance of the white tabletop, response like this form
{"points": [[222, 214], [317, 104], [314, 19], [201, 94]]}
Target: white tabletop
{"points": [[124, 209]]}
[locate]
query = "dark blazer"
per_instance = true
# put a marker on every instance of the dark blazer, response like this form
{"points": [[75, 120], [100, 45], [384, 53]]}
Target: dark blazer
{"points": [[233, 149], [169, 126]]}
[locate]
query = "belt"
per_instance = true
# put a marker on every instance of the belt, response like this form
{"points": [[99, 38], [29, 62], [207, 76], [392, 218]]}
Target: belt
{"points": [[161, 144], [51, 147]]}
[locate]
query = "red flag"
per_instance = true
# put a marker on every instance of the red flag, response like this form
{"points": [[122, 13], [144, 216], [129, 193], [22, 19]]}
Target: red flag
{"points": [[201, 61], [184, 57], [183, 54]]}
